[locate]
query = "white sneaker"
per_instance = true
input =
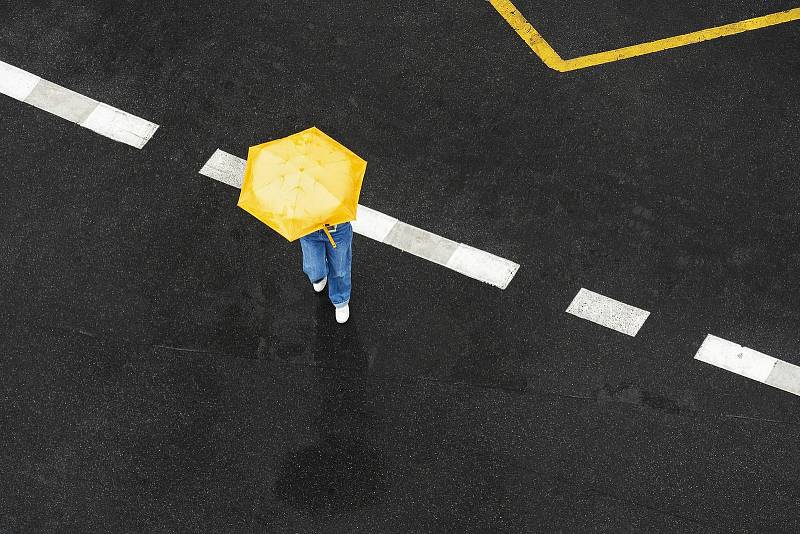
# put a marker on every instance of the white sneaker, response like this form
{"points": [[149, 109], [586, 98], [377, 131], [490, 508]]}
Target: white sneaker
{"points": [[319, 286], [343, 314]]}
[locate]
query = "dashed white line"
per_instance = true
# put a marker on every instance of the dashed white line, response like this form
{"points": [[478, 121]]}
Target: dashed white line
{"points": [[482, 265], [15, 82], [749, 363], [120, 126], [225, 168], [607, 312], [75, 107], [373, 224], [735, 358]]}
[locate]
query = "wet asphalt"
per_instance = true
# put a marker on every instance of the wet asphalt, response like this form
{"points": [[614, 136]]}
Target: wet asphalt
{"points": [[166, 366]]}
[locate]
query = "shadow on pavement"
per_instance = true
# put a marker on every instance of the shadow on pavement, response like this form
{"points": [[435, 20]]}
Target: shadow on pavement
{"points": [[340, 471]]}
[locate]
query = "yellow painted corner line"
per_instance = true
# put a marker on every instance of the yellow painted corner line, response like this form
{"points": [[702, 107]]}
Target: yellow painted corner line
{"points": [[551, 58]]}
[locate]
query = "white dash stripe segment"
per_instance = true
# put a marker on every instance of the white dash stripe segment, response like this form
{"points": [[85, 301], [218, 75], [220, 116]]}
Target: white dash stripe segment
{"points": [[483, 265], [421, 243], [120, 126], [469, 261], [75, 107], [225, 168], [785, 376], [735, 358], [607, 312], [749, 363], [373, 224], [15, 82]]}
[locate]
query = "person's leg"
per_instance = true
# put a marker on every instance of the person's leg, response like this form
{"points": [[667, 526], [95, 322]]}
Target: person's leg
{"points": [[340, 261], [314, 263]]}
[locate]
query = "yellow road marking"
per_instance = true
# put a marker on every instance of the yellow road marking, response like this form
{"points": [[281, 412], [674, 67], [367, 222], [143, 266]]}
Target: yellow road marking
{"points": [[551, 58]]}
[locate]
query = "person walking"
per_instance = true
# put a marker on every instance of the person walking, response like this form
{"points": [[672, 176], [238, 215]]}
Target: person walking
{"points": [[327, 264], [306, 186]]}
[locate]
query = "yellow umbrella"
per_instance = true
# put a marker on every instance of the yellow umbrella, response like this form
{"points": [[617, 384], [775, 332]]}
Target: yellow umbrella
{"points": [[301, 183]]}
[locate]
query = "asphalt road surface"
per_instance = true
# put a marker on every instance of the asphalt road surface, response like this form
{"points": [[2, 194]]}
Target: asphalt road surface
{"points": [[166, 367]]}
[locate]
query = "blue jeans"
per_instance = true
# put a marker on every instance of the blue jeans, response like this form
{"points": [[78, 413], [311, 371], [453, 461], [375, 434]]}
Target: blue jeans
{"points": [[320, 259]]}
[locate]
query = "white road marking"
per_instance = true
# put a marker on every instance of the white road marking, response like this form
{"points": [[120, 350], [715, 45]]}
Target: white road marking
{"points": [[482, 265], [61, 101], [373, 224], [469, 261], [225, 168], [607, 312], [421, 243], [749, 363], [120, 126], [735, 358], [15, 82], [75, 107], [785, 376]]}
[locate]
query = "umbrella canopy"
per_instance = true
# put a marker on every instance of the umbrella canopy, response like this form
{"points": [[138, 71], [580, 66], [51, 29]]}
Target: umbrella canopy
{"points": [[301, 183]]}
